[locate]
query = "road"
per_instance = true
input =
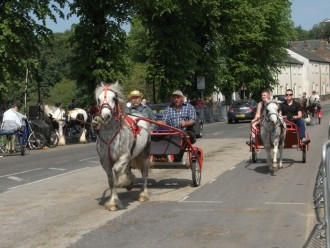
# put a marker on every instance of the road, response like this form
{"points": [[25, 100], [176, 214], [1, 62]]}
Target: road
{"points": [[54, 198]]}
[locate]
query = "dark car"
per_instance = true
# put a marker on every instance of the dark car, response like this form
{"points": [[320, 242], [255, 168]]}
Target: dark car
{"points": [[159, 110], [242, 110], [279, 98]]}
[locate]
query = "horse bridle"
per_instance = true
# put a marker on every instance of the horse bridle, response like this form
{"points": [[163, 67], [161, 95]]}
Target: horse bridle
{"points": [[267, 115], [105, 103]]}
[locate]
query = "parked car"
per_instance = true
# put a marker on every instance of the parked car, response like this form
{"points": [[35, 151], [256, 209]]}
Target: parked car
{"points": [[242, 110], [279, 98], [159, 110]]}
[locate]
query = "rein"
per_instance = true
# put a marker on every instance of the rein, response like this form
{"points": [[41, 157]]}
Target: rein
{"points": [[130, 123]]}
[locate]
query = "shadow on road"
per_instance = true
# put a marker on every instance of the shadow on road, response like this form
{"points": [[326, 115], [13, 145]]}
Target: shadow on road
{"points": [[263, 169]]}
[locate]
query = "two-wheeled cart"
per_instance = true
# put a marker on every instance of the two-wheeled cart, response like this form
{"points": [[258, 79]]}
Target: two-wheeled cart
{"points": [[292, 140], [168, 147]]}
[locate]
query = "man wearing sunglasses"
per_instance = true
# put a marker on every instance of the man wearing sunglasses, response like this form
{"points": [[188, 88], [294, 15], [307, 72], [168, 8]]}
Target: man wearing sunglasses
{"points": [[292, 110]]}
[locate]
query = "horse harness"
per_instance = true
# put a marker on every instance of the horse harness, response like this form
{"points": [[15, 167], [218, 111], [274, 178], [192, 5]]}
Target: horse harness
{"points": [[129, 122]]}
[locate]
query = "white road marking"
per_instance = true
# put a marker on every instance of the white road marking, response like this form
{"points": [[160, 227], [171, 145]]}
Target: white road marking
{"points": [[49, 178], [15, 178], [60, 169], [243, 126], [184, 198], [285, 203], [21, 172], [212, 180], [94, 162], [87, 159]]}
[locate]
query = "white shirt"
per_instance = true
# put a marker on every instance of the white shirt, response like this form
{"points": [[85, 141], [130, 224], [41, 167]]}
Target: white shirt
{"points": [[12, 120]]}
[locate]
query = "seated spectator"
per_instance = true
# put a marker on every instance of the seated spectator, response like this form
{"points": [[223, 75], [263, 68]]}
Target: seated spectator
{"points": [[181, 115], [73, 104], [12, 120]]}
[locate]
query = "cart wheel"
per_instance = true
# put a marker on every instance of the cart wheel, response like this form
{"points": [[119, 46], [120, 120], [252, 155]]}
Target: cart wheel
{"points": [[304, 154], [21, 144], [53, 140], [196, 172], [36, 141], [254, 155]]}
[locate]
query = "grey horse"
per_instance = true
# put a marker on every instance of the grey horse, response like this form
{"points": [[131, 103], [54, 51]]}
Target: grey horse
{"points": [[121, 144], [273, 132]]}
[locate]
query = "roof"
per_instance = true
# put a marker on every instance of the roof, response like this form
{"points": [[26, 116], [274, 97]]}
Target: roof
{"points": [[308, 55], [310, 44], [292, 60]]}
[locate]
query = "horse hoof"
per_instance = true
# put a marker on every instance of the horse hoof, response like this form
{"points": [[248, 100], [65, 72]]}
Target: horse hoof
{"points": [[111, 207], [143, 198]]}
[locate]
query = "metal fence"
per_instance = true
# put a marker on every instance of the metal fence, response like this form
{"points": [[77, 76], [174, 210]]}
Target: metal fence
{"points": [[213, 113], [320, 235]]}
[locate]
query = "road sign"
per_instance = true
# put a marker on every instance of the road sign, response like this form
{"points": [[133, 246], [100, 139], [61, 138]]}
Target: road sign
{"points": [[201, 83], [243, 87]]}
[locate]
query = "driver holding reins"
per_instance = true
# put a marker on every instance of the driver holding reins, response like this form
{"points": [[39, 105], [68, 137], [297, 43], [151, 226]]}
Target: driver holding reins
{"points": [[292, 110], [265, 97]]}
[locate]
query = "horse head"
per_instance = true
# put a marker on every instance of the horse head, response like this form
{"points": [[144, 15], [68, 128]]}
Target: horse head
{"points": [[313, 101], [110, 101], [272, 114], [56, 113]]}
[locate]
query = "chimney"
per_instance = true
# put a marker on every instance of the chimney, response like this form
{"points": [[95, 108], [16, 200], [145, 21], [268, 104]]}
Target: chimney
{"points": [[305, 46], [294, 44]]}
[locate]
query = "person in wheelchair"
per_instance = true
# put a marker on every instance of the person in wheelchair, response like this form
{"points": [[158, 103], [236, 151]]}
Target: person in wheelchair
{"points": [[292, 110], [181, 115], [12, 119]]}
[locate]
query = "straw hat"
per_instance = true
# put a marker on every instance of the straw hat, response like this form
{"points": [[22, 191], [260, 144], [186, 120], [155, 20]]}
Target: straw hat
{"points": [[135, 93]]}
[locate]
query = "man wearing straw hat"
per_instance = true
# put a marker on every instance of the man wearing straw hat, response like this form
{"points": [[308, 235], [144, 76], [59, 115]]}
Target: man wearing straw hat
{"points": [[136, 107]]}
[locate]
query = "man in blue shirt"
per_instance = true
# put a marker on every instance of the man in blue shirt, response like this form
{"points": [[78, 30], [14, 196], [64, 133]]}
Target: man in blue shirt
{"points": [[181, 115]]}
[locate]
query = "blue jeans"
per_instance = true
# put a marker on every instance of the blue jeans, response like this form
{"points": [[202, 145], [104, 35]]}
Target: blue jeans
{"points": [[302, 128]]}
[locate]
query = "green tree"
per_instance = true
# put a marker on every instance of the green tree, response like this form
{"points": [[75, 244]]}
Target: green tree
{"points": [[99, 43], [182, 43], [255, 34], [20, 36], [301, 34]]}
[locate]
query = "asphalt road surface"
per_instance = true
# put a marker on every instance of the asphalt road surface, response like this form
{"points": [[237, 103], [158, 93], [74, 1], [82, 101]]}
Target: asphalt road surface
{"points": [[54, 198]]}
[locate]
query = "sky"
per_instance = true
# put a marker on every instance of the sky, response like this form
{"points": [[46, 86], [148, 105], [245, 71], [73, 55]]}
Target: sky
{"points": [[305, 13]]}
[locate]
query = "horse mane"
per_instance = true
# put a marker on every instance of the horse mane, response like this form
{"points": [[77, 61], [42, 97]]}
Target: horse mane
{"points": [[117, 89]]}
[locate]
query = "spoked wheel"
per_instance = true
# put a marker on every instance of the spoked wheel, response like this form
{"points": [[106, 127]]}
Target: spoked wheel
{"points": [[304, 154], [36, 141], [254, 155], [196, 170], [53, 140]]}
